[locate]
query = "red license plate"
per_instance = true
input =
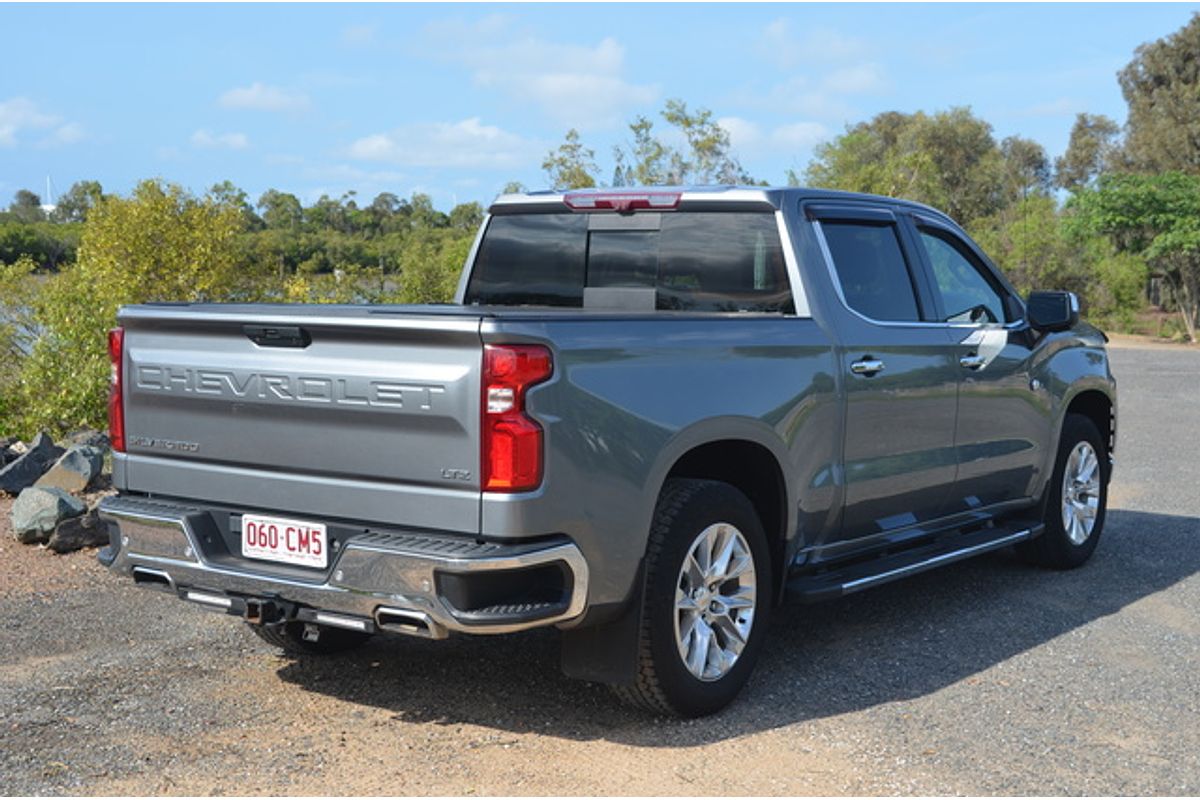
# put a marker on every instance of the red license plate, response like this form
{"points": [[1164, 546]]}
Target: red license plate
{"points": [[290, 541]]}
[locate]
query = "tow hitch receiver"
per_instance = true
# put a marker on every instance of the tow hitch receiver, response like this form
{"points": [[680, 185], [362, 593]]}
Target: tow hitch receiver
{"points": [[262, 612]]}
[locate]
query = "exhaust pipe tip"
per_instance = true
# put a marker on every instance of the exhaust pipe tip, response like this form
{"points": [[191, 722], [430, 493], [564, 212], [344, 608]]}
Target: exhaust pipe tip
{"points": [[410, 623], [154, 578]]}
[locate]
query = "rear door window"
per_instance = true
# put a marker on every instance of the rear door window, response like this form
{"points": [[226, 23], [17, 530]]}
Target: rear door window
{"points": [[871, 269], [694, 261]]}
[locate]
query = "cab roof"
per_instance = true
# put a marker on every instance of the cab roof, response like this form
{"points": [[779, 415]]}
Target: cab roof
{"points": [[652, 198]]}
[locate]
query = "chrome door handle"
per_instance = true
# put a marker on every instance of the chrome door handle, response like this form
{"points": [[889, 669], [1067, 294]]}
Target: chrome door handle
{"points": [[972, 361], [867, 367]]}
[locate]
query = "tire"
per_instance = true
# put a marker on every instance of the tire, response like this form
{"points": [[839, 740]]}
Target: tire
{"points": [[1065, 544], [289, 637], [694, 514]]}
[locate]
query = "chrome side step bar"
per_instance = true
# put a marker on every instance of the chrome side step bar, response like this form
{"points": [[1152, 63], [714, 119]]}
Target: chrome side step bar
{"points": [[874, 572]]}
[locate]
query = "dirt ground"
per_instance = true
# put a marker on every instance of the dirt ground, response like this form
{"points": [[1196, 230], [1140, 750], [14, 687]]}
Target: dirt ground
{"points": [[987, 677]]}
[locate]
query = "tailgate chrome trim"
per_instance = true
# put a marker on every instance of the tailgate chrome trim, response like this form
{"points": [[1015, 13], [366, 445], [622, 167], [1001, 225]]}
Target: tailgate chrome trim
{"points": [[365, 578]]}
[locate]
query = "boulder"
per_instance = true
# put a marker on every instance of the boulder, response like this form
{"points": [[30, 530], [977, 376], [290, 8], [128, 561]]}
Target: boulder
{"points": [[31, 465], [37, 512], [78, 532], [89, 438], [75, 470]]}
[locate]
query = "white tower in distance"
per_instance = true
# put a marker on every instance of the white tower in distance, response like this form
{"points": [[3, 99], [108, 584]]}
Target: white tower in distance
{"points": [[48, 204]]}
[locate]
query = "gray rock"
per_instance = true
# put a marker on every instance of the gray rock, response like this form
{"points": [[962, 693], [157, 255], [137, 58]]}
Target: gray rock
{"points": [[26, 469], [89, 438], [75, 470], [37, 512], [79, 532]]}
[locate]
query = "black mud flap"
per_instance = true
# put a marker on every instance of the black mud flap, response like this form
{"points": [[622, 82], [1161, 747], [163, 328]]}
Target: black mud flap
{"points": [[607, 652]]}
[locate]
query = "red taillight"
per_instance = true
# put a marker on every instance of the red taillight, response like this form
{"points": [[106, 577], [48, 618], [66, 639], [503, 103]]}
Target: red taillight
{"points": [[116, 406], [621, 201], [511, 449]]}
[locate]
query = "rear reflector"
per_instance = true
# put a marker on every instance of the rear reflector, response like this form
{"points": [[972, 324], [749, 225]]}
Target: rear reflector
{"points": [[116, 404], [621, 201], [511, 441]]}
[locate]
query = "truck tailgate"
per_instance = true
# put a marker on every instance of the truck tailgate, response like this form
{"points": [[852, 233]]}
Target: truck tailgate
{"points": [[338, 411]]}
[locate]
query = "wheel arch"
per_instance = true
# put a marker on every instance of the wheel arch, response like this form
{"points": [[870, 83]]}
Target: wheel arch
{"points": [[751, 462], [1100, 409]]}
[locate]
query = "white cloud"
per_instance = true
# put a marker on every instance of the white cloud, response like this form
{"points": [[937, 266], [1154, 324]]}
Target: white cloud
{"points": [[19, 115], [261, 97], [803, 97], [229, 141], [799, 135], [743, 134], [579, 85], [67, 134], [824, 68], [749, 138], [468, 143]]}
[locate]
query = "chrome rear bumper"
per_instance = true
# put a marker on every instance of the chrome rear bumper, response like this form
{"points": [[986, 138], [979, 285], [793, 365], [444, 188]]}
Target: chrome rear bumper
{"points": [[378, 581]]}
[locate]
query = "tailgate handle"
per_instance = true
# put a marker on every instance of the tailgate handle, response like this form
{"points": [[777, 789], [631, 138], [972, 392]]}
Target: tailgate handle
{"points": [[278, 335]]}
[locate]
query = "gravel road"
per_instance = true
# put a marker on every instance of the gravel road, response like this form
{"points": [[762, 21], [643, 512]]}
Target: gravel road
{"points": [[984, 677]]}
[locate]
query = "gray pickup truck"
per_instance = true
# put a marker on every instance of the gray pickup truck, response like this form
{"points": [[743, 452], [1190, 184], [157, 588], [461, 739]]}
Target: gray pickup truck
{"points": [[649, 417]]}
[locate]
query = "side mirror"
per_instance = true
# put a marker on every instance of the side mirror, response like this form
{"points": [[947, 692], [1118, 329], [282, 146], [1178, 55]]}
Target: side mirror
{"points": [[1052, 311]]}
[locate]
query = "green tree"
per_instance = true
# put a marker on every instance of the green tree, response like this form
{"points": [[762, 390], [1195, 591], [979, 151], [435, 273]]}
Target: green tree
{"points": [[74, 205], [709, 158], [225, 193], [649, 161], [466, 217], [1026, 168], [422, 214], [27, 206], [50, 245], [1094, 148], [1035, 245], [430, 267], [384, 210], [948, 160], [329, 214], [1162, 87], [18, 332], [1155, 217], [572, 165], [159, 244], [280, 211]]}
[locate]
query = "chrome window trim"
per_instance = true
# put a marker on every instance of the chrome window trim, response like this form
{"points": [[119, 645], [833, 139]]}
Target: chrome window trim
{"points": [[469, 265], [799, 296], [827, 255], [792, 265]]}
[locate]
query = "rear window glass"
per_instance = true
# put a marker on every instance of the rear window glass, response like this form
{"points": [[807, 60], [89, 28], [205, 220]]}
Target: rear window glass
{"points": [[694, 261], [871, 270]]}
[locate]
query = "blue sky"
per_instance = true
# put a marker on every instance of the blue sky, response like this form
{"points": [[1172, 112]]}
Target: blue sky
{"points": [[457, 99]]}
